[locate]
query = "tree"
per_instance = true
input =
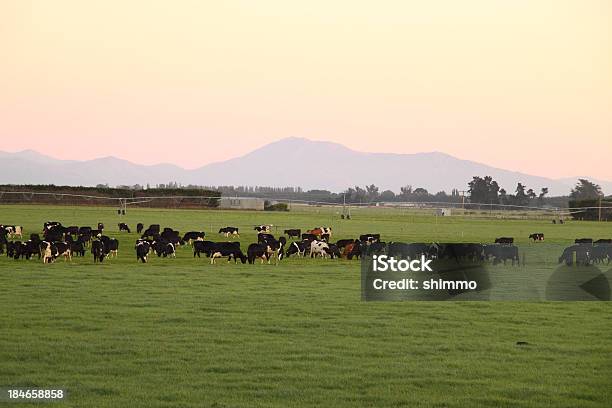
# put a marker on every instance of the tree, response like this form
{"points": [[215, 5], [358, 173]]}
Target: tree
{"points": [[387, 195], [543, 192], [585, 190], [521, 198], [531, 194], [483, 190], [372, 192]]}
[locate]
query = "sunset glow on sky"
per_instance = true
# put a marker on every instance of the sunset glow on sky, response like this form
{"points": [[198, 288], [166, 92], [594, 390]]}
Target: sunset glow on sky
{"points": [[522, 85]]}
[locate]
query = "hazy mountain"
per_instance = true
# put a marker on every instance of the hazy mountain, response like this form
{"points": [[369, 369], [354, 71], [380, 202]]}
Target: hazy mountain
{"points": [[288, 162]]}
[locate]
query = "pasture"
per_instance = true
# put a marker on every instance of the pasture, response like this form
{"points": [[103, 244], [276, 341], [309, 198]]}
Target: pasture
{"points": [[184, 333]]}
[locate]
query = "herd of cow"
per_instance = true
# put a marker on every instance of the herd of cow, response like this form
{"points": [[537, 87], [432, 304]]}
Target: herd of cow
{"points": [[60, 241]]}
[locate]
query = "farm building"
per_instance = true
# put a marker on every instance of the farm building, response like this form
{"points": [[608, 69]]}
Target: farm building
{"points": [[241, 203]]}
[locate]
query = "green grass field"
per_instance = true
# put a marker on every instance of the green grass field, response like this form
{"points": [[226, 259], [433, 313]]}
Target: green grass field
{"points": [[184, 333]]}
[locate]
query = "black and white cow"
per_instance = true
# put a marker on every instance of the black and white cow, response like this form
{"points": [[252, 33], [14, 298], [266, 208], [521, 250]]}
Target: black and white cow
{"points": [[142, 250], [111, 246], [191, 236], [537, 236], [319, 248], [164, 248], [298, 248], [229, 231], [203, 247], [229, 249], [124, 227], [263, 228]]}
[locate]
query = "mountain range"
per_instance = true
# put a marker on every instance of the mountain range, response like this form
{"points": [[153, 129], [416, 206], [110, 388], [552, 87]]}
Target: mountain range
{"points": [[287, 162]]}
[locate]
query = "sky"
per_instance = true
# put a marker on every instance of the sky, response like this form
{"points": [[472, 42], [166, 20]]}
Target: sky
{"points": [[520, 85]]}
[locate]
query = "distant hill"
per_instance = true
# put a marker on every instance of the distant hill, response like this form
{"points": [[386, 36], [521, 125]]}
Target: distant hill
{"points": [[288, 162]]}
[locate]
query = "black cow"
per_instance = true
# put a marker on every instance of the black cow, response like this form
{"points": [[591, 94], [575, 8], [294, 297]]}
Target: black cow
{"points": [[72, 230], [98, 251], [204, 247], [227, 231], [101, 227], [333, 251], [501, 253], [124, 227], [309, 237], [582, 241], [139, 228], [408, 251], [504, 240], [580, 252], [293, 233], [78, 247], [369, 238], [259, 251], [537, 236], [229, 249]]}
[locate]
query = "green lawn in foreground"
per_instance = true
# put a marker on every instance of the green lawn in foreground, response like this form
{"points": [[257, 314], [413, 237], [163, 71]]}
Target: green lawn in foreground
{"points": [[184, 333]]}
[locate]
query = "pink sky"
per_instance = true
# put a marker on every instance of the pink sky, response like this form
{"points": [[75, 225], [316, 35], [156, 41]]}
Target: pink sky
{"points": [[522, 85]]}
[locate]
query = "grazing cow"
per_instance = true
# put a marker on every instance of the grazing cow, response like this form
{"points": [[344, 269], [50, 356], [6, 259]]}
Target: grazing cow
{"points": [[369, 238], [537, 236], [293, 233], [309, 237], [204, 247], [259, 251], [164, 248], [352, 250], [319, 248], [264, 237], [333, 251], [50, 224], [580, 252], [172, 236], [78, 247], [344, 242], [111, 246], [193, 236], [13, 231], [459, 251], [375, 248], [98, 251], [72, 230], [603, 241], [408, 251], [263, 228], [142, 250], [124, 227], [504, 240], [227, 231], [602, 252], [139, 228], [299, 248], [62, 249], [229, 249], [47, 252], [583, 241], [501, 253], [26, 250]]}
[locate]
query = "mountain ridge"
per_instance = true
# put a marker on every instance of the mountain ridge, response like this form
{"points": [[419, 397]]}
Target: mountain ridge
{"points": [[293, 161]]}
